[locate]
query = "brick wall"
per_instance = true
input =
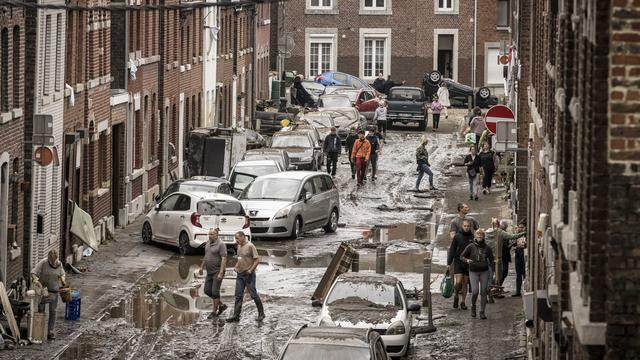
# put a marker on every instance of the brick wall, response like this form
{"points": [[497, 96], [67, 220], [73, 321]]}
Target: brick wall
{"points": [[623, 267], [12, 27]]}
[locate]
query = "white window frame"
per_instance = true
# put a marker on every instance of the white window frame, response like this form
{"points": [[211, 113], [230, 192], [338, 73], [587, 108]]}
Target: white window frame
{"points": [[376, 10], [453, 32], [320, 9], [490, 46], [320, 35], [453, 10], [376, 34]]}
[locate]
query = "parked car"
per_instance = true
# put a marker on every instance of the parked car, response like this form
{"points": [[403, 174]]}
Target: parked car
{"points": [[249, 168], [334, 101], [344, 119], [321, 121], [184, 219], [303, 152], [314, 89], [340, 78], [366, 101], [366, 300], [289, 203], [321, 343], [199, 184], [458, 93], [269, 154], [330, 89], [406, 104]]}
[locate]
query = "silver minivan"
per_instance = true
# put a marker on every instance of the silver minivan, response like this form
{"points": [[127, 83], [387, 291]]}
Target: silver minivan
{"points": [[289, 203]]}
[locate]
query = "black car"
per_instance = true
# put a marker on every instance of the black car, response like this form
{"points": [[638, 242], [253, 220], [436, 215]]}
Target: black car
{"points": [[336, 343], [458, 93], [199, 184]]}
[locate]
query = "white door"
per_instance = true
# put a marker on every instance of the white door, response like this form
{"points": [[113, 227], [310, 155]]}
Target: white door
{"points": [[161, 217], [180, 215]]}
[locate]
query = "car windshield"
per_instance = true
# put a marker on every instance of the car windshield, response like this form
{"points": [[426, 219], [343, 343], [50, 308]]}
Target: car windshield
{"points": [[364, 293], [272, 189], [353, 95], [334, 102], [341, 118], [287, 141], [220, 207], [199, 188], [325, 351], [240, 181], [313, 88], [320, 121], [331, 89], [257, 170], [405, 94]]}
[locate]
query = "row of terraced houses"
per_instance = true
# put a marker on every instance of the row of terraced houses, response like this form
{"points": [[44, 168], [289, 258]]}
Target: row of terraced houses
{"points": [[112, 96]]}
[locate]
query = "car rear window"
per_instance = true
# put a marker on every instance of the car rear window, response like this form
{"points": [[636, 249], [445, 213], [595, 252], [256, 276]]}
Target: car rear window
{"points": [[405, 94], [220, 207], [199, 188]]}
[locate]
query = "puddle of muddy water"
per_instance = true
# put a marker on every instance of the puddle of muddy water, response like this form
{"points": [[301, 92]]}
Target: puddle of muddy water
{"points": [[79, 349]]}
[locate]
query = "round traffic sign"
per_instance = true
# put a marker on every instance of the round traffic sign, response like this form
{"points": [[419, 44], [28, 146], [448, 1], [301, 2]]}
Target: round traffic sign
{"points": [[44, 156], [504, 59], [495, 114]]}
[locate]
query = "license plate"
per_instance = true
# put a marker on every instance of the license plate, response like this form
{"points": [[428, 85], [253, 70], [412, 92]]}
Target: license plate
{"points": [[405, 114]]}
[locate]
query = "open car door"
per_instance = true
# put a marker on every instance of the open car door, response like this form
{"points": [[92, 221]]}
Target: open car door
{"points": [[239, 181]]}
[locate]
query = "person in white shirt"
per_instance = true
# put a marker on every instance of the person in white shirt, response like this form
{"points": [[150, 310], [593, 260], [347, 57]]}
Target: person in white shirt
{"points": [[443, 97], [380, 117]]}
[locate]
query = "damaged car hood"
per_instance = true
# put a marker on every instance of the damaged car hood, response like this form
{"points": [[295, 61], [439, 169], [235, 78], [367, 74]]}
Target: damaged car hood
{"points": [[359, 313]]}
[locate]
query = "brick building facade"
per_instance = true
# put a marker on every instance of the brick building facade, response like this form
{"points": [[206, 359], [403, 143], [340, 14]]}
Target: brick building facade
{"points": [[578, 93], [403, 39], [86, 156], [12, 42]]}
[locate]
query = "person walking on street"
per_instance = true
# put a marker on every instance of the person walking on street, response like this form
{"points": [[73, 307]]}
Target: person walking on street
{"points": [[351, 140], [378, 83], [456, 223], [479, 258], [246, 277], [49, 274], [473, 171], [360, 156], [436, 108], [422, 159], [380, 117], [520, 245], [489, 163], [332, 146], [477, 125], [443, 95], [374, 141], [215, 262], [461, 240]]}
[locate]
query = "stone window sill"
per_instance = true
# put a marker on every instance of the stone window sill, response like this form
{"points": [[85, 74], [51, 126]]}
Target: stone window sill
{"points": [[321, 12], [136, 173], [446, 12], [152, 165], [589, 333], [101, 192], [503, 28], [383, 12]]}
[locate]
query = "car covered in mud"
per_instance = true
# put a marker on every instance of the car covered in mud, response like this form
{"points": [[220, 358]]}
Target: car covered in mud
{"points": [[184, 219], [289, 203], [301, 148], [366, 300], [323, 343]]}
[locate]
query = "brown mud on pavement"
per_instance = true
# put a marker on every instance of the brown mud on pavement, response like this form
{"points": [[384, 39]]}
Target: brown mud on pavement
{"points": [[458, 335]]}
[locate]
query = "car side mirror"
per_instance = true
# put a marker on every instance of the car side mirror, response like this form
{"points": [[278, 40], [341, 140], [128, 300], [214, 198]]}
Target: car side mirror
{"points": [[307, 196], [317, 148], [157, 207], [292, 167], [413, 307]]}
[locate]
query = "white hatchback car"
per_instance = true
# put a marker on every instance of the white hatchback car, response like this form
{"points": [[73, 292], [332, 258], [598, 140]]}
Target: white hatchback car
{"points": [[184, 219]]}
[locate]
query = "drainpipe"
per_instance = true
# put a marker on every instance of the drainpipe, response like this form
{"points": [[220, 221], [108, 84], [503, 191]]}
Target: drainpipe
{"points": [[234, 81], [252, 96], [473, 60]]}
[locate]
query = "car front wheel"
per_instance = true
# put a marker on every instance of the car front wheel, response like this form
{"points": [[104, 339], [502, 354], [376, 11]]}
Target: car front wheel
{"points": [[296, 229], [183, 244], [147, 233]]}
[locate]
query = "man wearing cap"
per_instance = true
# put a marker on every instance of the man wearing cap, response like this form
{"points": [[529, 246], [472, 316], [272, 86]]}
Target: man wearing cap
{"points": [[50, 274], [332, 146]]}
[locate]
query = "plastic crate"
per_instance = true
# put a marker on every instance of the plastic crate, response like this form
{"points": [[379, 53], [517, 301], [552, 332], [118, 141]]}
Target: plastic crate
{"points": [[72, 311]]}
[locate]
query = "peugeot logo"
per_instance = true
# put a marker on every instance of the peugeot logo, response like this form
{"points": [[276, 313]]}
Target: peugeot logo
{"points": [[253, 212], [223, 220]]}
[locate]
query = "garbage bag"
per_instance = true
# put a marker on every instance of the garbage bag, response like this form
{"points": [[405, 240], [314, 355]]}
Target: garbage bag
{"points": [[470, 138], [446, 286]]}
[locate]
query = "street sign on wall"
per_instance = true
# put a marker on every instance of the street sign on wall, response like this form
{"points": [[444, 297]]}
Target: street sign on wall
{"points": [[495, 114]]}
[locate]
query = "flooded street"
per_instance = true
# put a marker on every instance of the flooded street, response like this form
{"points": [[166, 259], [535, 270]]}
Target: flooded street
{"points": [[164, 315]]}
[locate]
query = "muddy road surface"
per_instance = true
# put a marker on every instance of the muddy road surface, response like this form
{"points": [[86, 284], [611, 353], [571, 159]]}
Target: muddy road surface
{"points": [[165, 315]]}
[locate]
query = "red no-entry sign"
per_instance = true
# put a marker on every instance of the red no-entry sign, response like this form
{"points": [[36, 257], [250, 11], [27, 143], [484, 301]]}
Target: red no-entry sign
{"points": [[496, 114]]}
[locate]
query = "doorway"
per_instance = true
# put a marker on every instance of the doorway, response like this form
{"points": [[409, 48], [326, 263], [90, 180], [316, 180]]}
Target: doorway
{"points": [[445, 55], [117, 141], [4, 215]]}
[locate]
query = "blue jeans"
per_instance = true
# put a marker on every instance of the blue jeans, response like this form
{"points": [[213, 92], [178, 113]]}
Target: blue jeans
{"points": [[53, 304], [243, 281], [422, 169]]}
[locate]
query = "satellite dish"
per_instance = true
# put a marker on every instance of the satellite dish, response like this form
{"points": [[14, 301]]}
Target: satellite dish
{"points": [[286, 44]]}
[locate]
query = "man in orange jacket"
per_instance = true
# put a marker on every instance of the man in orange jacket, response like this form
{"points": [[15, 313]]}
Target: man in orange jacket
{"points": [[360, 155]]}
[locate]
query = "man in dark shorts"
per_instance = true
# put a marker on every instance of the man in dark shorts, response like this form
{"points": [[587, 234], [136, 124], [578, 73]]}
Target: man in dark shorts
{"points": [[456, 223], [461, 240], [215, 261]]}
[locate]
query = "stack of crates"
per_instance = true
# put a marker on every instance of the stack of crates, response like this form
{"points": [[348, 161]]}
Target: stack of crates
{"points": [[72, 311]]}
